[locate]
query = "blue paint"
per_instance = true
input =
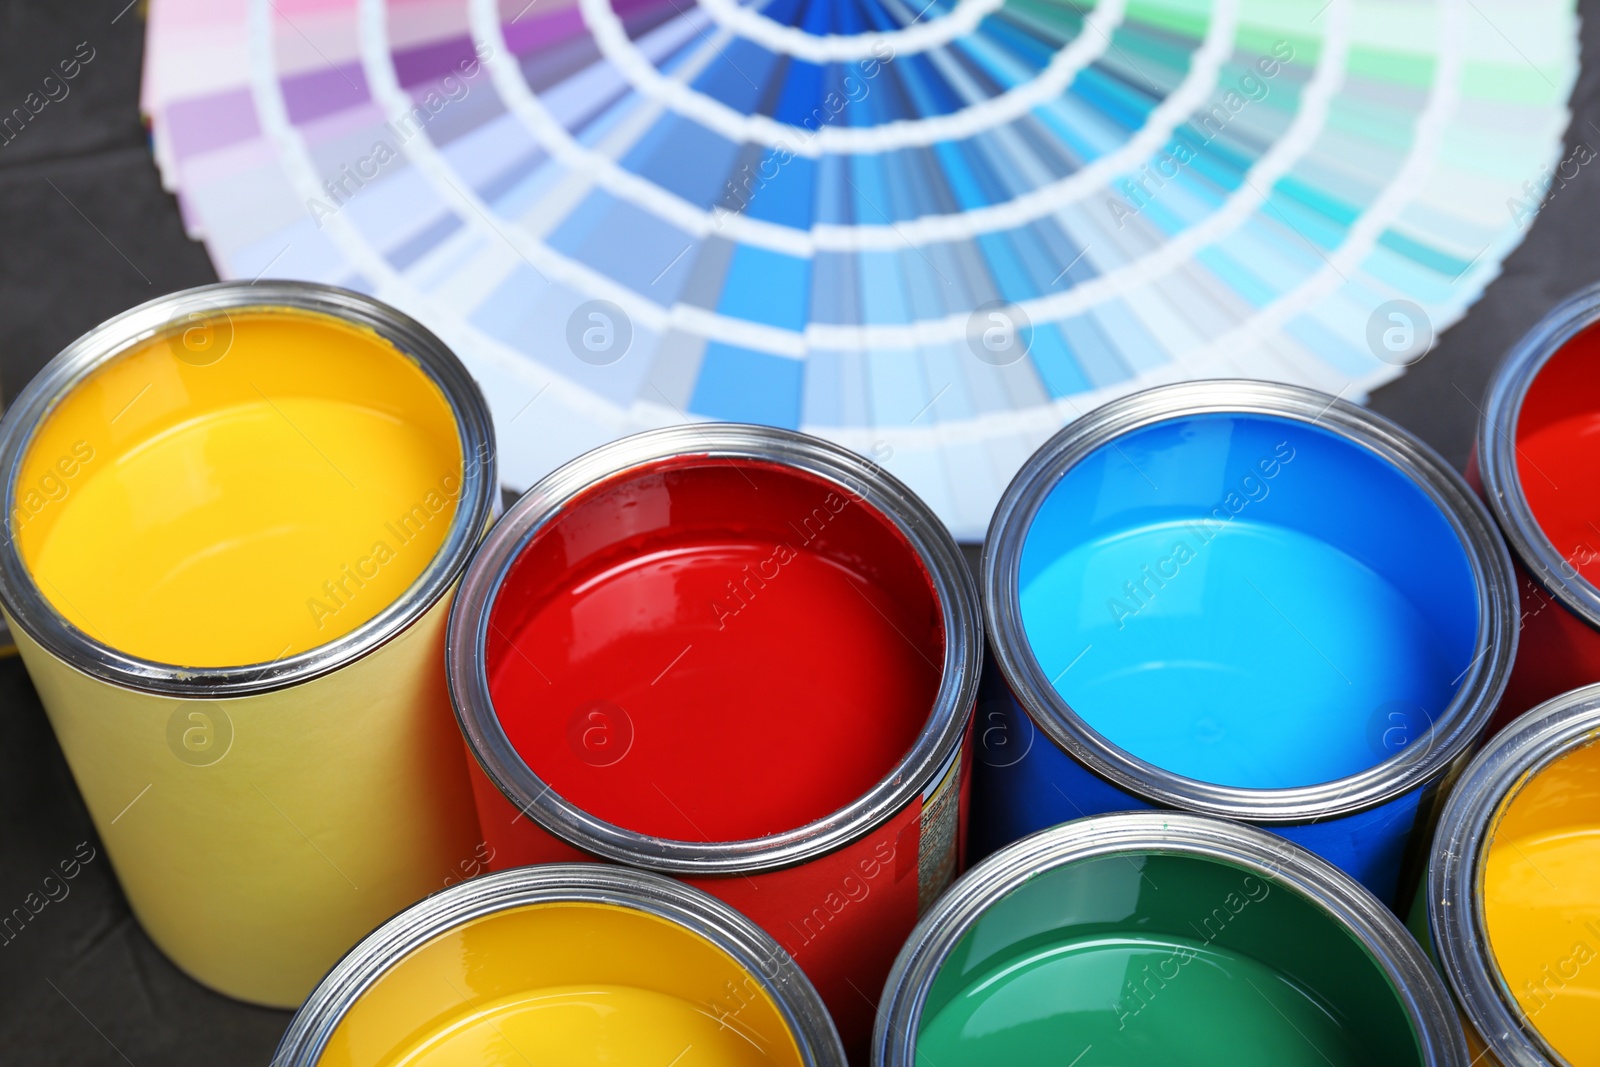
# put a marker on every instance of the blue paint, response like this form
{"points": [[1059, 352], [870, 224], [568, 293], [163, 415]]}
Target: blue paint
{"points": [[1247, 600], [1313, 625]]}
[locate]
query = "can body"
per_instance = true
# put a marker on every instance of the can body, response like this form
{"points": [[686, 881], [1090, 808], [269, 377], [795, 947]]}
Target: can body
{"points": [[328, 807], [1557, 651], [814, 773], [1145, 938], [262, 812], [1045, 786], [1222, 664], [1512, 903], [564, 963]]}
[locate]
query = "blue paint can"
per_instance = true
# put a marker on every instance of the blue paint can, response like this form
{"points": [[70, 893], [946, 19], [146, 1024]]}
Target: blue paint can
{"points": [[1241, 599]]}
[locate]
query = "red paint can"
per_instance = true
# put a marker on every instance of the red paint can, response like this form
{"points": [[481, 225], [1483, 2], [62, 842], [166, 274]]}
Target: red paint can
{"points": [[741, 656], [1535, 463]]}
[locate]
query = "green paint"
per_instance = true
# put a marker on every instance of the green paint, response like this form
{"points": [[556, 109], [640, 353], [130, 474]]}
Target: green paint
{"points": [[1111, 998], [1151, 959]]}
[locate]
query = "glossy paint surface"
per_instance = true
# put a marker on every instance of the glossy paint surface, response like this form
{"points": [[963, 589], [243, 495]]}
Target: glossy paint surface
{"points": [[1146, 959], [1541, 902], [708, 651], [1217, 1007], [1247, 600], [564, 985], [1558, 435], [257, 493]]}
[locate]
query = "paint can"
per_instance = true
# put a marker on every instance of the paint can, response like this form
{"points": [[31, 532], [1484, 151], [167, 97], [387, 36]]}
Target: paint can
{"points": [[236, 518], [564, 963], [1513, 890], [737, 655], [1535, 465], [1154, 938], [1247, 600]]}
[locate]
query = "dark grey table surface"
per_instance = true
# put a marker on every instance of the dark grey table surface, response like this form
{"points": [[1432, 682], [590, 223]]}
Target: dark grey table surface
{"points": [[86, 231]]}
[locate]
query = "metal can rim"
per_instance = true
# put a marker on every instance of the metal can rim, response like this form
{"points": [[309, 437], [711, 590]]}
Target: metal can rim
{"points": [[1455, 906], [96, 348], [1454, 731], [1329, 889], [1497, 453], [939, 738], [697, 911]]}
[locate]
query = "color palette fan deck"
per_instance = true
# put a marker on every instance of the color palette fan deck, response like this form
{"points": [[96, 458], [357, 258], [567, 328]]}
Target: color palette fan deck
{"points": [[933, 234]]}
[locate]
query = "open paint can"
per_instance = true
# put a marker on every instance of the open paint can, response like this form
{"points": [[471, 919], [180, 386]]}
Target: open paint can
{"points": [[1513, 892], [1247, 600], [236, 515], [1152, 938], [1535, 458], [738, 655], [564, 964]]}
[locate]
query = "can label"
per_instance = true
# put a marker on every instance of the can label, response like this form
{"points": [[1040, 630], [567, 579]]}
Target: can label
{"points": [[939, 839]]}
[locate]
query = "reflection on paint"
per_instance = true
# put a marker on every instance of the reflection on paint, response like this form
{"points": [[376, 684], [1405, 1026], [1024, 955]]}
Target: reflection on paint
{"points": [[1144, 960], [1239, 599], [564, 985], [1541, 903], [248, 488], [715, 651]]}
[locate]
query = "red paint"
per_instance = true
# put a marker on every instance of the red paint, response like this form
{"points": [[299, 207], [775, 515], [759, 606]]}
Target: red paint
{"points": [[1558, 440], [705, 651], [1557, 437]]}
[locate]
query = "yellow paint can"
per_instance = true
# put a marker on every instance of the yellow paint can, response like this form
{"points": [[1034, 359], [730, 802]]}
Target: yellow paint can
{"points": [[565, 965], [236, 516], [1513, 900]]}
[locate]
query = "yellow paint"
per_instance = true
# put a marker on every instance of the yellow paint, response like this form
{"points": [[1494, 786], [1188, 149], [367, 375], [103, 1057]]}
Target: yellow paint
{"points": [[1541, 902], [564, 985], [208, 511]]}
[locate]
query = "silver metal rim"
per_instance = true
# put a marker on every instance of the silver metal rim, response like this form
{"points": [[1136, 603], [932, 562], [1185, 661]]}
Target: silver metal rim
{"points": [[1455, 877], [1332, 891], [1451, 736], [590, 883], [1497, 453], [940, 736], [479, 492]]}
